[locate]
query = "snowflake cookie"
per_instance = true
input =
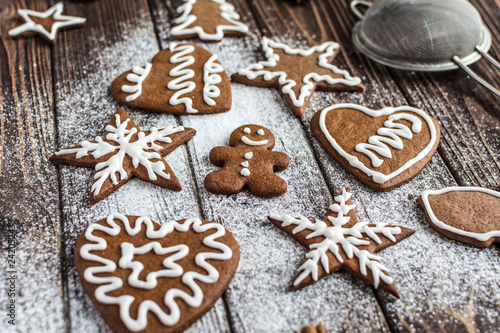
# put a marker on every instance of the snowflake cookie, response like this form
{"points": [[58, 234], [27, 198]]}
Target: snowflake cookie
{"points": [[298, 73], [209, 20], [340, 241], [182, 79], [147, 277], [46, 24], [249, 163], [124, 152]]}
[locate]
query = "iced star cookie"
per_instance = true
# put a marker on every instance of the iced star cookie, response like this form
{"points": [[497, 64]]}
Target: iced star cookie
{"points": [[382, 148], [341, 242], [46, 24], [125, 152], [249, 163], [298, 73], [466, 214], [182, 79], [147, 277], [209, 20]]}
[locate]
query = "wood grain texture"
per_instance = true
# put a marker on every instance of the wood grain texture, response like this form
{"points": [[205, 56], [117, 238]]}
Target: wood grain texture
{"points": [[28, 182], [436, 293], [118, 35], [260, 297]]}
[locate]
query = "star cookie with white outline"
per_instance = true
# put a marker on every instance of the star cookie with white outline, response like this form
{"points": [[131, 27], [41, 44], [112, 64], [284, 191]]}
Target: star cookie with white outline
{"points": [[46, 24]]}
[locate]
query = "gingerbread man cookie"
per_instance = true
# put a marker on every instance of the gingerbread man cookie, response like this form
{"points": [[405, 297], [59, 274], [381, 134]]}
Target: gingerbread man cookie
{"points": [[248, 163]]}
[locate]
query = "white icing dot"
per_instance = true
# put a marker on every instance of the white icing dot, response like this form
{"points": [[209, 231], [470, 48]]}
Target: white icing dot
{"points": [[246, 130], [245, 172], [245, 164], [248, 155], [260, 132]]}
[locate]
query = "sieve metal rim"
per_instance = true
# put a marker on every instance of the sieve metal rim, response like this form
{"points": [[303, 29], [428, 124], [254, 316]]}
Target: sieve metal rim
{"points": [[484, 46]]}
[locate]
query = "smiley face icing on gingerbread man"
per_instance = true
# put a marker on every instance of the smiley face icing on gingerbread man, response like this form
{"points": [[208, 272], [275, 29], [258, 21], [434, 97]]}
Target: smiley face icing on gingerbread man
{"points": [[248, 163]]}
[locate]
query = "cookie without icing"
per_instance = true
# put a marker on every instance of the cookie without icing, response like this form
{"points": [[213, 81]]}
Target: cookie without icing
{"points": [[182, 79], [147, 277], [46, 24], [341, 242], [209, 20], [313, 329], [298, 73], [125, 152], [248, 163], [382, 148], [466, 214]]}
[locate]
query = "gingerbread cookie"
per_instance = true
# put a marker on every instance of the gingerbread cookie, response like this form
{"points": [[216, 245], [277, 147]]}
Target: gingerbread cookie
{"points": [[466, 214], [340, 241], [183, 79], [313, 329], [46, 24], [209, 20], [143, 276], [125, 152], [248, 163], [298, 73], [382, 148]]}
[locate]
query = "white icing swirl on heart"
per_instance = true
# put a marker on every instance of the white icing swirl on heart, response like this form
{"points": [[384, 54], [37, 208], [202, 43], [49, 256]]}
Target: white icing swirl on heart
{"points": [[211, 79], [108, 284], [182, 75], [137, 76]]}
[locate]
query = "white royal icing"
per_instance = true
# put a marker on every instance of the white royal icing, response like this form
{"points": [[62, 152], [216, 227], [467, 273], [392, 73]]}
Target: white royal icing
{"points": [[183, 75], [108, 284], [61, 21], [482, 237], [137, 76], [336, 237], [250, 142], [186, 19], [395, 131], [211, 79], [245, 164], [260, 132], [139, 150], [245, 172], [247, 130], [327, 49], [379, 177], [249, 155]]}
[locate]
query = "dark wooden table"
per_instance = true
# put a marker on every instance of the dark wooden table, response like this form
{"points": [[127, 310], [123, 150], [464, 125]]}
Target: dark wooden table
{"points": [[52, 97]]}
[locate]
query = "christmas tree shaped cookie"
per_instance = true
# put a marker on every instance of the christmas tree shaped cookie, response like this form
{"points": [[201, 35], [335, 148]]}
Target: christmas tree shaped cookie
{"points": [[340, 241], [209, 20]]}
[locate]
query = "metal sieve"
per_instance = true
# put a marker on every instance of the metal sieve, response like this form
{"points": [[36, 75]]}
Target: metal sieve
{"points": [[423, 35]]}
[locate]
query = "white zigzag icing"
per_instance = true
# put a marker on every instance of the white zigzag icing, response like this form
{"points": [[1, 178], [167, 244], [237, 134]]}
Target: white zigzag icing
{"points": [[211, 80], [186, 19], [109, 284], [137, 76], [183, 75], [328, 50]]}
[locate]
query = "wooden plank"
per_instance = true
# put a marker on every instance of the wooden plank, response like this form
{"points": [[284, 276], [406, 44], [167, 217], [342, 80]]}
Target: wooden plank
{"points": [[260, 298], [444, 285], [28, 182], [118, 35]]}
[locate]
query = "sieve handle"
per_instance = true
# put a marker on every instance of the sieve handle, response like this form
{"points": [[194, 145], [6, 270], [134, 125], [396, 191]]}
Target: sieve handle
{"points": [[354, 7], [476, 77]]}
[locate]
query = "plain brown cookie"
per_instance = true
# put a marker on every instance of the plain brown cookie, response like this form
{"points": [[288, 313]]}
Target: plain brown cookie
{"points": [[298, 73], [341, 242], [313, 329], [351, 133], [182, 79], [209, 20], [186, 261], [125, 152], [466, 214], [248, 163], [46, 24]]}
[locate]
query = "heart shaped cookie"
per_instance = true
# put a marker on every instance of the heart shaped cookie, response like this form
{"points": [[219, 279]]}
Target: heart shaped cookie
{"points": [[382, 148], [467, 214], [143, 276], [182, 79]]}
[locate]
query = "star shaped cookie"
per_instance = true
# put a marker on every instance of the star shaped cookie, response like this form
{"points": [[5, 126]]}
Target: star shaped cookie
{"points": [[47, 24], [298, 73], [340, 241], [125, 152]]}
